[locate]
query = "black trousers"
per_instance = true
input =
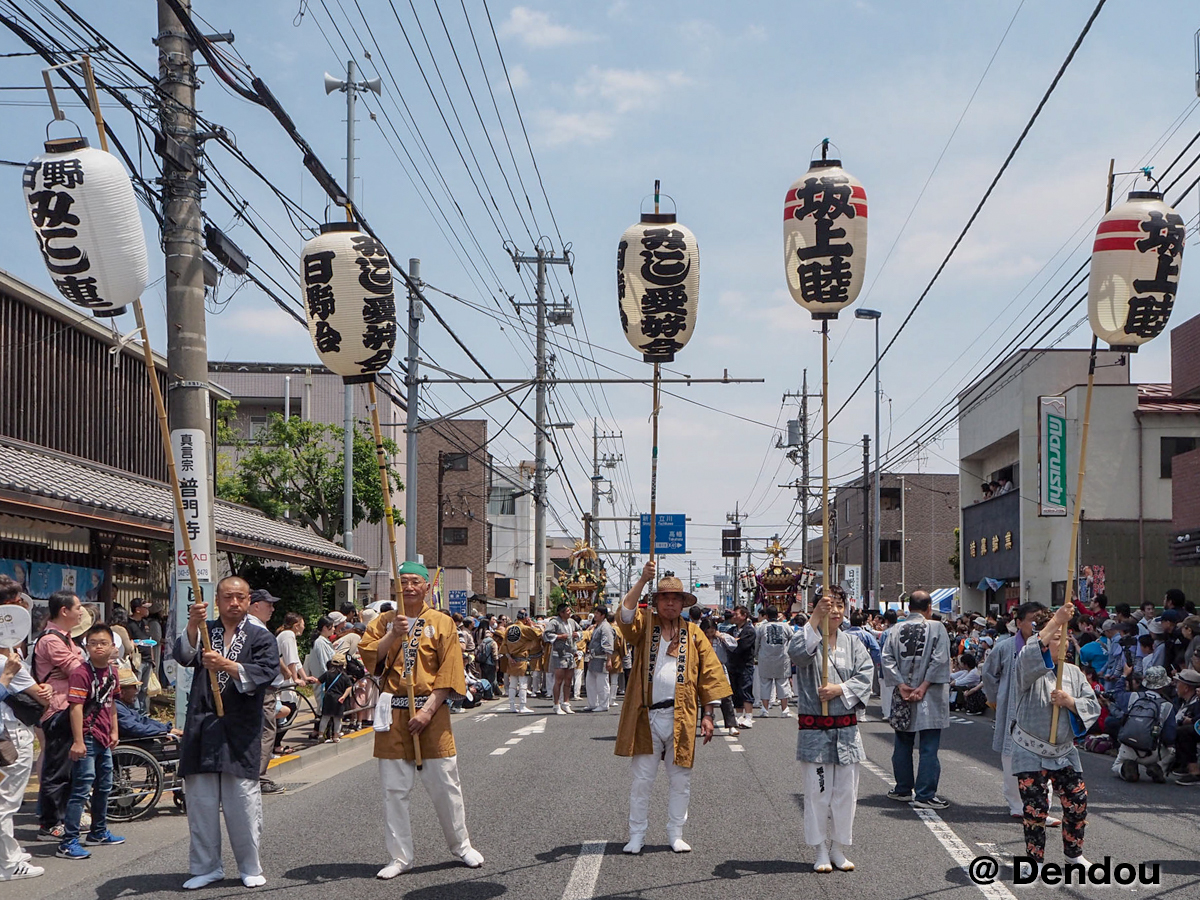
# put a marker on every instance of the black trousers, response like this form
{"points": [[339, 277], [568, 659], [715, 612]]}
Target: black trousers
{"points": [[1185, 745], [55, 781]]}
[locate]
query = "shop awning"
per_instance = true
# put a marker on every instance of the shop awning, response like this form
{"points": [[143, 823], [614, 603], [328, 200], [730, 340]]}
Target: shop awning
{"points": [[43, 484], [943, 599]]}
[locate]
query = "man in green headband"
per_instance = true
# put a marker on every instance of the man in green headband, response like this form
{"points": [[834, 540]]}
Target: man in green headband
{"points": [[417, 645]]}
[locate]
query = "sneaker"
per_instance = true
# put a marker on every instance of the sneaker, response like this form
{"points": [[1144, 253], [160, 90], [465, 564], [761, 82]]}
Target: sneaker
{"points": [[734, 732], [55, 834], [106, 839], [1129, 771], [762, 712], [747, 722], [1154, 770], [934, 802], [898, 797], [269, 787], [567, 709], [1188, 779], [786, 714], [21, 870], [71, 850]]}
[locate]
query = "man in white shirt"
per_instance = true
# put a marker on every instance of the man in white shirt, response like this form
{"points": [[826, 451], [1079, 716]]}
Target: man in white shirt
{"points": [[262, 607]]}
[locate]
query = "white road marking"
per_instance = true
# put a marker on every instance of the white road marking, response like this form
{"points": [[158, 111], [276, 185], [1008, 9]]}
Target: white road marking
{"points": [[538, 727], [483, 717], [731, 740], [959, 720], [582, 884], [499, 751], [512, 741], [737, 748], [951, 842], [994, 850]]}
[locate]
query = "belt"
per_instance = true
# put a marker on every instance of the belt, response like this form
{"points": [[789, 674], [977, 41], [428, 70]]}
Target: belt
{"points": [[523, 658], [662, 704], [400, 701], [824, 723]]}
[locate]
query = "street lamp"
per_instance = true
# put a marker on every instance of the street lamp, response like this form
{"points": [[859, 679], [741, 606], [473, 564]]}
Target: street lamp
{"points": [[875, 315]]}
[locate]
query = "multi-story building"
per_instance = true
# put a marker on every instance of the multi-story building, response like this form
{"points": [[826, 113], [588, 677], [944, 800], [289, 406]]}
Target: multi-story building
{"points": [[510, 530], [452, 498], [918, 515], [315, 394], [1020, 425]]}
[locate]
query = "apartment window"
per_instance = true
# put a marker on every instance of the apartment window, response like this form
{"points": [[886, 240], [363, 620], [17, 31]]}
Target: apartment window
{"points": [[454, 536], [889, 551], [889, 498], [502, 502], [1169, 448], [257, 424], [455, 462]]}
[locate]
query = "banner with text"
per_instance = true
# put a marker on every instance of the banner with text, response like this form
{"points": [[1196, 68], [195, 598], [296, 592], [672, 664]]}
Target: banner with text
{"points": [[187, 446], [1052, 456]]}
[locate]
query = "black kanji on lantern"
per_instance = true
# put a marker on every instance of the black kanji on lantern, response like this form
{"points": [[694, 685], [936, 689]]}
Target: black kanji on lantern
{"points": [[65, 172], [664, 256], [1148, 315], [80, 291], [824, 275]]}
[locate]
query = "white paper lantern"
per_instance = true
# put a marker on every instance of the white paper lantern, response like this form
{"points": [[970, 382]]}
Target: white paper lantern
{"points": [[349, 300], [85, 217], [825, 238], [1135, 271], [658, 285]]}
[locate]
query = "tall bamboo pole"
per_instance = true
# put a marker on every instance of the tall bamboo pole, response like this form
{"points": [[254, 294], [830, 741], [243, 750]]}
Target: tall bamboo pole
{"points": [[390, 518], [825, 586], [1072, 567]]}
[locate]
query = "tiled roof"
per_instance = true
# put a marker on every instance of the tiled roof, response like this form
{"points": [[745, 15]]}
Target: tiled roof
{"points": [[1158, 398], [69, 484]]}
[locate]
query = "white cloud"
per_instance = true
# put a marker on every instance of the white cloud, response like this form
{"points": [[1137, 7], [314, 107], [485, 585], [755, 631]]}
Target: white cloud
{"points": [[534, 29], [518, 76], [559, 128], [627, 90]]}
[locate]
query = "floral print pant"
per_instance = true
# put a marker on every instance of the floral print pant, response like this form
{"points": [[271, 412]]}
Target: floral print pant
{"points": [[1035, 795]]}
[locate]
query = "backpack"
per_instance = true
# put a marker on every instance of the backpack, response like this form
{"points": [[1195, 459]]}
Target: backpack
{"points": [[40, 677], [1142, 726], [485, 653]]}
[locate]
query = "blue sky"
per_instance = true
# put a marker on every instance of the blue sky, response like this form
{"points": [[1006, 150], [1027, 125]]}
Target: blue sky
{"points": [[723, 102]]}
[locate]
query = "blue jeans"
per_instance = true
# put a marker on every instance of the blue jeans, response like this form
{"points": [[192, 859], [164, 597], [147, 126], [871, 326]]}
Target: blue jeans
{"points": [[929, 769], [90, 777]]}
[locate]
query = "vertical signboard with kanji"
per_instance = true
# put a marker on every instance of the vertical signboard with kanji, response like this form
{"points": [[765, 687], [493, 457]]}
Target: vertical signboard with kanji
{"points": [[188, 447]]}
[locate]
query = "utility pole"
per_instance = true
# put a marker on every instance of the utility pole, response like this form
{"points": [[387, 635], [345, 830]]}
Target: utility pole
{"points": [[592, 533], [802, 451], [736, 518], [441, 473], [866, 529], [541, 260], [351, 87], [183, 242], [416, 314]]}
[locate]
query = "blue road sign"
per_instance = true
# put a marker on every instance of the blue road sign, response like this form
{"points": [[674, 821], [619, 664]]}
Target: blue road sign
{"points": [[457, 601], [670, 533]]}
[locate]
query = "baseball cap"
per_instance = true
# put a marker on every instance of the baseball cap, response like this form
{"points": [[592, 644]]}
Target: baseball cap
{"points": [[262, 595]]}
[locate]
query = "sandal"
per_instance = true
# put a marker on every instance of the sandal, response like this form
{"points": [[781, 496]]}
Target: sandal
{"points": [[285, 751]]}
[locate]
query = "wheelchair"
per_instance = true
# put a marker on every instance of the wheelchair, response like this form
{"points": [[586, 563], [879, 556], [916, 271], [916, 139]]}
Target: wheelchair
{"points": [[142, 771]]}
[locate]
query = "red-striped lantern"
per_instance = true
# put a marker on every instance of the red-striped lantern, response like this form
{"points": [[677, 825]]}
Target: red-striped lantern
{"points": [[1135, 271], [825, 238]]}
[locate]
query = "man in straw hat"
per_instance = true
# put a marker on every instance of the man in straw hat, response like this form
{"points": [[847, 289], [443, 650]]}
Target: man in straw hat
{"points": [[675, 669], [417, 645], [829, 747], [219, 755]]}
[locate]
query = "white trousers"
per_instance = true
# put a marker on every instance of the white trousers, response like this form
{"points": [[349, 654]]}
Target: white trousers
{"points": [[830, 799], [578, 683], [645, 767], [518, 690], [12, 792], [599, 689], [781, 687], [440, 777], [1012, 795], [537, 682], [209, 793], [614, 681]]}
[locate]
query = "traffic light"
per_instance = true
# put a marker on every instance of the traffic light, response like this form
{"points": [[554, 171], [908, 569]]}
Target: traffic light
{"points": [[700, 584]]}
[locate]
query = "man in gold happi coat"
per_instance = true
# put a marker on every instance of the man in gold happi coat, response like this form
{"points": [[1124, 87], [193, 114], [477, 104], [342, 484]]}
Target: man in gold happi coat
{"points": [[522, 647], [675, 671], [417, 645]]}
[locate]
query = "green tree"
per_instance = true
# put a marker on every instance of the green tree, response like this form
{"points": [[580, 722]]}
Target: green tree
{"points": [[295, 466]]}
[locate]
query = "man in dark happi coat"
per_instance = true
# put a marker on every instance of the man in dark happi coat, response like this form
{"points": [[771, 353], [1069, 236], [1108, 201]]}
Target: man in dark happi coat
{"points": [[219, 759]]}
